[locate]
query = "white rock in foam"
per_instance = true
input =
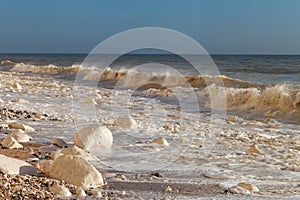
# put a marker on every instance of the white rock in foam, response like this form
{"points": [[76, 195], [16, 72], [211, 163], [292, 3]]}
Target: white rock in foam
{"points": [[96, 138], [17, 125], [20, 136], [161, 141], [14, 166], [75, 170], [126, 122], [10, 143], [17, 86]]}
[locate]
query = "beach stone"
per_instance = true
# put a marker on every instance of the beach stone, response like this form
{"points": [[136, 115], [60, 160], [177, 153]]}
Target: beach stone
{"points": [[161, 141], [253, 149], [14, 166], [80, 192], [96, 138], [17, 86], [238, 190], [20, 136], [44, 166], [249, 187], [60, 191], [96, 193], [11, 143], [97, 95], [17, 125], [59, 143], [126, 122], [20, 101], [75, 170], [74, 150]]}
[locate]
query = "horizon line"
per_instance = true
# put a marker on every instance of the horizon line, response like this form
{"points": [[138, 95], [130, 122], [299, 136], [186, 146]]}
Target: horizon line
{"points": [[213, 54]]}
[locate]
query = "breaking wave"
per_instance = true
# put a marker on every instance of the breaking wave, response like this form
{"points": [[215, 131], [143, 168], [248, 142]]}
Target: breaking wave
{"points": [[273, 100], [7, 62], [48, 69]]}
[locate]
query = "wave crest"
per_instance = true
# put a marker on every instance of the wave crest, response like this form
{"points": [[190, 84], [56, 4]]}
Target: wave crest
{"points": [[48, 69]]}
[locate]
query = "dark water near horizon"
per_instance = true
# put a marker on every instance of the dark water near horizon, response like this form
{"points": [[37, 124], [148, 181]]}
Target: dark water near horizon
{"points": [[255, 68]]}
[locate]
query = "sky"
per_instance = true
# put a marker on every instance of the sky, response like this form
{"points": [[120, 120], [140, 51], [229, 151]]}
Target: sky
{"points": [[220, 26]]}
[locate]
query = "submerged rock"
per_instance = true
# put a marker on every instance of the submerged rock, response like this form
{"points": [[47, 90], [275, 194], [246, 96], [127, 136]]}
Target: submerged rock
{"points": [[14, 166], [75, 170], [97, 138], [11, 143], [126, 122]]}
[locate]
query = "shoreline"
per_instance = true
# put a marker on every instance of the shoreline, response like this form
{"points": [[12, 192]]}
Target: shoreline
{"points": [[17, 101]]}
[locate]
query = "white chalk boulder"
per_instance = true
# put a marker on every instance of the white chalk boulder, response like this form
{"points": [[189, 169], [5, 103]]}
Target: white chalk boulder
{"points": [[126, 122], [74, 150], [11, 143], [20, 136], [96, 138], [17, 125], [75, 170], [14, 166]]}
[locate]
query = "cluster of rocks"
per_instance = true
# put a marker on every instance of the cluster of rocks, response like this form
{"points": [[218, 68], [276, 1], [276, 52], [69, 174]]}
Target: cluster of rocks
{"points": [[10, 114], [69, 163]]}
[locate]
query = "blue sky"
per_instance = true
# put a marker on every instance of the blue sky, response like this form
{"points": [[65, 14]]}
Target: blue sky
{"points": [[221, 26]]}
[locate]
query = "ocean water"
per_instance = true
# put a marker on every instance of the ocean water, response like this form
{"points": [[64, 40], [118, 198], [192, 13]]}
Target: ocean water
{"points": [[269, 69], [256, 100]]}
